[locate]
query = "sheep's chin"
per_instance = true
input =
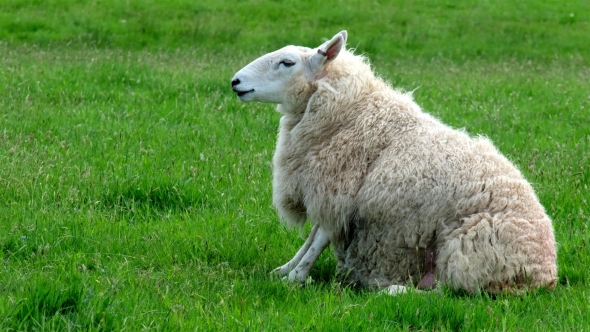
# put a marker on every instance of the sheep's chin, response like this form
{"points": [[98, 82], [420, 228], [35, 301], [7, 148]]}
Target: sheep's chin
{"points": [[246, 96]]}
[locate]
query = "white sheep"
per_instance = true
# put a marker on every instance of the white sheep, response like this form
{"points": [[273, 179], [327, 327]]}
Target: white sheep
{"points": [[402, 198]]}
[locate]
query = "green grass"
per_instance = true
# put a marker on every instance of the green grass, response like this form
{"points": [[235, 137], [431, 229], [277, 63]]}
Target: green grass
{"points": [[136, 189]]}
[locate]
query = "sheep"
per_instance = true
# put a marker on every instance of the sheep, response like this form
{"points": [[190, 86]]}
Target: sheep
{"points": [[404, 200]]}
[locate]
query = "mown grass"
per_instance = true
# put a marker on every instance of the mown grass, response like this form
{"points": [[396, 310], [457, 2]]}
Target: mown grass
{"points": [[458, 30], [136, 188]]}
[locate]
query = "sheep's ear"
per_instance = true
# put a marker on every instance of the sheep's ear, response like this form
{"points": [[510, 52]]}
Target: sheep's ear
{"points": [[327, 52]]}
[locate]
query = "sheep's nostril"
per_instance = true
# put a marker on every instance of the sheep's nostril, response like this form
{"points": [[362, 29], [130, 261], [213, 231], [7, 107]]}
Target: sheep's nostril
{"points": [[235, 82]]}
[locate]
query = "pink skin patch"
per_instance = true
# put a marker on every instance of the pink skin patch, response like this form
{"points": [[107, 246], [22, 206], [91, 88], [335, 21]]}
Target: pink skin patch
{"points": [[330, 53], [428, 281]]}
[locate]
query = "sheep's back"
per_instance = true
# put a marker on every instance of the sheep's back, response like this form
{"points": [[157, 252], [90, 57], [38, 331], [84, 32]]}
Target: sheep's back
{"points": [[433, 175]]}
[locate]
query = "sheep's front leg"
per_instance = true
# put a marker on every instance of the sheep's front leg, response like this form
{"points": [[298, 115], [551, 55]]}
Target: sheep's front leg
{"points": [[319, 243], [290, 265]]}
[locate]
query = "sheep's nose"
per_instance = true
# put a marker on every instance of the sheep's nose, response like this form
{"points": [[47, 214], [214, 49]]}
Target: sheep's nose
{"points": [[235, 82]]}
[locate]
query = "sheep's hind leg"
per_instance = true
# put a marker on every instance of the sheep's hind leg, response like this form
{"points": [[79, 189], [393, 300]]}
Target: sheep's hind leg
{"points": [[290, 265], [319, 243]]}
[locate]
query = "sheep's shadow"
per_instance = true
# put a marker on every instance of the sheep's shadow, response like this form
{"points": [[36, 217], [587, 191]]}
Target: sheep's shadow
{"points": [[324, 271]]}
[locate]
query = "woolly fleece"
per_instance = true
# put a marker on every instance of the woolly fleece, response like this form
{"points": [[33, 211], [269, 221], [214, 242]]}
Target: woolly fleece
{"points": [[386, 182]]}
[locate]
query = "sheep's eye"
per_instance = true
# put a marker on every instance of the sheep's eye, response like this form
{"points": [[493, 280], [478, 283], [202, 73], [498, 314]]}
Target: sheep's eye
{"points": [[287, 63]]}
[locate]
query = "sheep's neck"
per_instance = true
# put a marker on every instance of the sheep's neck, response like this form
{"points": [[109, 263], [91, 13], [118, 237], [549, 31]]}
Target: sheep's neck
{"points": [[297, 104]]}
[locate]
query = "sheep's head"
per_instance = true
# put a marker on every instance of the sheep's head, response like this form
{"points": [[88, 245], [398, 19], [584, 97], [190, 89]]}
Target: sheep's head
{"points": [[279, 77]]}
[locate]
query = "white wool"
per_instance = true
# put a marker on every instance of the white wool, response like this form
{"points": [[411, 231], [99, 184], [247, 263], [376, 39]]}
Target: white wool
{"points": [[386, 183]]}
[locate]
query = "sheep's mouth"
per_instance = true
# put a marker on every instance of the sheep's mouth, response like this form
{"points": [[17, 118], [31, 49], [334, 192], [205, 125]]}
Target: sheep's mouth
{"points": [[242, 93]]}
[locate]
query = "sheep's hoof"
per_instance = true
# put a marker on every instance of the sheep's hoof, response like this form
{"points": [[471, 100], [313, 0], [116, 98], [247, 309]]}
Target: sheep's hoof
{"points": [[281, 271], [394, 290], [304, 281], [297, 276]]}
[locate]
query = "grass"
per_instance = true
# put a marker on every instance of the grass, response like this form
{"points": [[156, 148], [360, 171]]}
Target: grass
{"points": [[136, 189]]}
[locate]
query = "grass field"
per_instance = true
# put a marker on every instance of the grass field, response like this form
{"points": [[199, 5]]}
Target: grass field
{"points": [[136, 189]]}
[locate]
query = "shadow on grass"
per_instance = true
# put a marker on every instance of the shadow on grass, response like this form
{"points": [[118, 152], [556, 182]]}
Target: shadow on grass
{"points": [[325, 271], [153, 199]]}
